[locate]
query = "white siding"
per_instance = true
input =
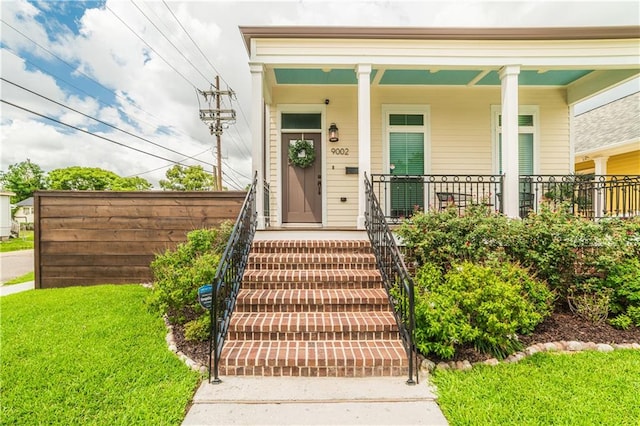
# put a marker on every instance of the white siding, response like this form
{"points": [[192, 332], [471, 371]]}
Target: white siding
{"points": [[459, 130]]}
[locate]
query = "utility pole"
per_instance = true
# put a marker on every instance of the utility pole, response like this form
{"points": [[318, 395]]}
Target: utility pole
{"points": [[217, 119]]}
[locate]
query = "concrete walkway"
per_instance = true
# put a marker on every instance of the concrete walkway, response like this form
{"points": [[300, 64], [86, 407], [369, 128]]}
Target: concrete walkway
{"points": [[16, 288], [314, 401]]}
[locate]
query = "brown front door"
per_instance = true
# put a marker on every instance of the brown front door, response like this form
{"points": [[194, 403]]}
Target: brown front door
{"points": [[301, 187]]}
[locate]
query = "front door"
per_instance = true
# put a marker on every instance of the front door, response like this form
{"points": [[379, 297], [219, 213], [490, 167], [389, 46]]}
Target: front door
{"points": [[301, 186]]}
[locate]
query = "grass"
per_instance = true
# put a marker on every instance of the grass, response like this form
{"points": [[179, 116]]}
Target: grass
{"points": [[88, 355], [29, 276], [24, 242], [586, 388]]}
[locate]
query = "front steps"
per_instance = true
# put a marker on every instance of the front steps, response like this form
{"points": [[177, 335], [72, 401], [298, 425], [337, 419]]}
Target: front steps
{"points": [[312, 308]]}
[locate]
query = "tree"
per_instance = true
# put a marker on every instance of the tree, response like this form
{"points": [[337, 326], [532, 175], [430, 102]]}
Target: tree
{"points": [[192, 178], [93, 179], [23, 179]]}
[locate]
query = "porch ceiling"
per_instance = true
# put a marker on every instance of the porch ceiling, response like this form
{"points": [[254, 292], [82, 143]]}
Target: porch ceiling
{"points": [[436, 77]]}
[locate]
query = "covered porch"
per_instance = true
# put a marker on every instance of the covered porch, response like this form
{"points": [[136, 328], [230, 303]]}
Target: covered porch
{"points": [[433, 117]]}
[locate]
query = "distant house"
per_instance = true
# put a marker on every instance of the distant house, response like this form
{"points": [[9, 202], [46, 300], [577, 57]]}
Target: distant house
{"points": [[24, 213], [608, 138], [5, 214]]}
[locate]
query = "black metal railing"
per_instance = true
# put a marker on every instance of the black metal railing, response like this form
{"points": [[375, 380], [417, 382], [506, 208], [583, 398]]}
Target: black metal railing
{"points": [[397, 281], [590, 196], [401, 195], [266, 208], [226, 284]]}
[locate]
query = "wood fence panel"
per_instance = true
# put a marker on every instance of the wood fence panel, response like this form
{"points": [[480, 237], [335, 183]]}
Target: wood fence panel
{"points": [[104, 237]]}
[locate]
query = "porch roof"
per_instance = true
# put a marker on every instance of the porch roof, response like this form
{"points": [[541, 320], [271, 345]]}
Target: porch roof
{"points": [[587, 60]]}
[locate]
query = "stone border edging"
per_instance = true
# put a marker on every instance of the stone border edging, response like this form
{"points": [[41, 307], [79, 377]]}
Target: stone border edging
{"points": [[171, 343], [560, 347]]}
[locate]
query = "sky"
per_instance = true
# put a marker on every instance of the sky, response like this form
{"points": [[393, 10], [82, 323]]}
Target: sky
{"points": [[129, 71]]}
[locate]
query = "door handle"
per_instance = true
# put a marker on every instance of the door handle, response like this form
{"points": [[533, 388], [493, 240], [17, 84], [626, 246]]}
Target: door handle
{"points": [[319, 184]]}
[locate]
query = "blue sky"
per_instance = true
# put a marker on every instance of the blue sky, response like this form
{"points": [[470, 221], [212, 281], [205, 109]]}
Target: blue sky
{"points": [[100, 67]]}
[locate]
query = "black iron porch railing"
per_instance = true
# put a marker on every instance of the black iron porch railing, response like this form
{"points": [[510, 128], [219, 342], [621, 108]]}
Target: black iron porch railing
{"points": [[397, 281], [589, 196], [226, 284], [266, 208], [401, 196]]}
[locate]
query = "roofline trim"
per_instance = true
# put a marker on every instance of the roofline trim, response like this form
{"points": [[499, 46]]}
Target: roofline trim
{"points": [[453, 33]]}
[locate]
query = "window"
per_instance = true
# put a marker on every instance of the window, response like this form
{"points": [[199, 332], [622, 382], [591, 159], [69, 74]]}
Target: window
{"points": [[406, 154], [527, 139], [527, 148], [305, 121]]}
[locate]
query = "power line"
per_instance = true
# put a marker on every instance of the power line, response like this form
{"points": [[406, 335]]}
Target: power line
{"points": [[170, 42], [87, 132], [82, 73], [214, 69], [98, 120], [58, 78], [171, 164], [152, 49], [193, 41]]}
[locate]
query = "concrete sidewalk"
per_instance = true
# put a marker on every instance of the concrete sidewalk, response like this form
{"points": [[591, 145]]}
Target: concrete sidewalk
{"points": [[314, 401], [16, 288]]}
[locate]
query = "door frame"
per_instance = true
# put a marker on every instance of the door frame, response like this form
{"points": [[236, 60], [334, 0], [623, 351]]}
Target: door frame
{"points": [[423, 109], [300, 109]]}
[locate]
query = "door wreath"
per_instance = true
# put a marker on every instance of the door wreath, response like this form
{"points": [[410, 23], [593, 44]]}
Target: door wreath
{"points": [[302, 154]]}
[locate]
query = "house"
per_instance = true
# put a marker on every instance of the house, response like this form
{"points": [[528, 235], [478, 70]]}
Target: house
{"points": [[24, 211], [430, 116], [356, 127], [5, 214], [607, 138]]}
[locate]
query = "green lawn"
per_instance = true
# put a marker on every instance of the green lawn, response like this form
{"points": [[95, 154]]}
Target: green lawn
{"points": [[24, 242], [92, 355], [29, 276], [587, 388]]}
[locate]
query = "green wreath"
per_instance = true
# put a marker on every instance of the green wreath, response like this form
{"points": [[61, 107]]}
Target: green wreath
{"points": [[302, 154]]}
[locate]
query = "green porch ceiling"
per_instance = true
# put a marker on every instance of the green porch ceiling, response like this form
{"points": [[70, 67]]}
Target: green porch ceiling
{"points": [[317, 76], [536, 78], [424, 77]]}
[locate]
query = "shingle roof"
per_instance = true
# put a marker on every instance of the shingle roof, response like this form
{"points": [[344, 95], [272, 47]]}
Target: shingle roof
{"points": [[27, 202], [613, 123]]}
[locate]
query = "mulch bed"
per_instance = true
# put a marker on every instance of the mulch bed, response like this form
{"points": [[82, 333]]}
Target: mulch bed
{"points": [[560, 326]]}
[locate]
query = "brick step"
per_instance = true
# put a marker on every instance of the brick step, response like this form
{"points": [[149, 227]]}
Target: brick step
{"points": [[259, 279], [311, 246], [328, 300], [339, 358], [313, 326], [296, 261]]}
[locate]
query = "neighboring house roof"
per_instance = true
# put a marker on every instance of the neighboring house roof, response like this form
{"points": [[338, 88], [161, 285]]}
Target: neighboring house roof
{"points": [[28, 202], [612, 127]]}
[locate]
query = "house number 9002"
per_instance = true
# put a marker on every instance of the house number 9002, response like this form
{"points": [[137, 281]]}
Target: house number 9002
{"points": [[340, 151]]}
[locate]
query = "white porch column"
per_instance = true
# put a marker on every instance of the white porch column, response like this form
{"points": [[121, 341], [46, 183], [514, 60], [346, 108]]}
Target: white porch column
{"points": [[257, 143], [510, 161], [599, 198], [363, 72]]}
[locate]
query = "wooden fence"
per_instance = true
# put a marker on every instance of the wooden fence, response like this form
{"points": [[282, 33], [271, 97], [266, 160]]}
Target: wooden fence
{"points": [[102, 237]]}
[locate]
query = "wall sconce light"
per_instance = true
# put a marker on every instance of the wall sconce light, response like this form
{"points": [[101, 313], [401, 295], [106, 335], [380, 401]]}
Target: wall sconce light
{"points": [[333, 133]]}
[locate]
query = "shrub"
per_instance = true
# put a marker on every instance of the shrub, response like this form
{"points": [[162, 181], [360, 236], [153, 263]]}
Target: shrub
{"points": [[623, 279], [633, 312], [198, 329], [446, 237], [179, 273], [481, 305], [622, 322]]}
